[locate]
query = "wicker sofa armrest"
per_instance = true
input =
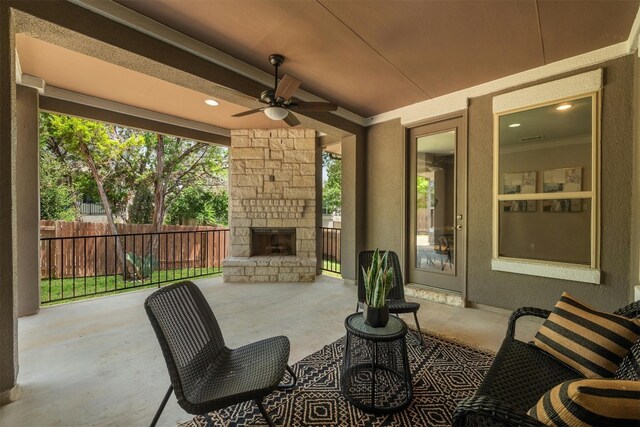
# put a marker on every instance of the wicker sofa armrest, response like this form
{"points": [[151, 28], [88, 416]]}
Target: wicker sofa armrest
{"points": [[486, 411], [524, 311]]}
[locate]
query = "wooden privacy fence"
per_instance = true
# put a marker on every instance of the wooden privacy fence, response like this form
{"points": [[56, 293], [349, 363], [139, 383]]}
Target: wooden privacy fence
{"points": [[78, 249]]}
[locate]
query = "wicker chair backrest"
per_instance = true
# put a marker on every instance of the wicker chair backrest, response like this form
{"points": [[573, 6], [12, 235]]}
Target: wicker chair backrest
{"points": [[630, 367], [187, 331], [364, 261]]}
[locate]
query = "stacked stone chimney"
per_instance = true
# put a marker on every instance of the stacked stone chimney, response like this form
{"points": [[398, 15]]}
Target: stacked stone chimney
{"points": [[272, 185]]}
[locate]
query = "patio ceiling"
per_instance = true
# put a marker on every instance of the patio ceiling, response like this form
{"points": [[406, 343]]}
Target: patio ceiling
{"points": [[367, 56], [373, 56], [83, 74]]}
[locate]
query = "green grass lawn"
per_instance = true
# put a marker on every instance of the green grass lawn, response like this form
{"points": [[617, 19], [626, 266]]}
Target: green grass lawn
{"points": [[328, 265], [59, 291], [52, 292]]}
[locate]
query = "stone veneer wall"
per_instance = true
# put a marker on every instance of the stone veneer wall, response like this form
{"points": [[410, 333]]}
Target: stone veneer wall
{"points": [[272, 184]]}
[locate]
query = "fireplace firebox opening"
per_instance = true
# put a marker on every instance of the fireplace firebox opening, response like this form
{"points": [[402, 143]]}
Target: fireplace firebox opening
{"points": [[273, 241]]}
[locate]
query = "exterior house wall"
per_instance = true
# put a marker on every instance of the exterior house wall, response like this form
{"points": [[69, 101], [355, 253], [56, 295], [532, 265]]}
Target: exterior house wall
{"points": [[508, 290], [386, 209], [384, 191]]}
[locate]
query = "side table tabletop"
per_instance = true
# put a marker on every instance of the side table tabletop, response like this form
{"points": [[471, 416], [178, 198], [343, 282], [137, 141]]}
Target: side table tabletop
{"points": [[375, 370]]}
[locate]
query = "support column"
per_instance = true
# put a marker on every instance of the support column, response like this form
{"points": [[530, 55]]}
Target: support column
{"points": [[318, 206], [353, 204], [634, 291], [27, 201], [8, 270]]}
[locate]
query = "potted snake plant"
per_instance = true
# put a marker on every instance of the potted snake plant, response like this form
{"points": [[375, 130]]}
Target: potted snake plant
{"points": [[378, 281]]}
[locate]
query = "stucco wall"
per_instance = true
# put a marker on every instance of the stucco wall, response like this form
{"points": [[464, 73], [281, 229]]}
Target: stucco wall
{"points": [[635, 234], [27, 201], [384, 191], [509, 290], [8, 269], [353, 204]]}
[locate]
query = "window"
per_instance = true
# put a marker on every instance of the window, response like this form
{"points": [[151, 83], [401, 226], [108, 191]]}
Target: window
{"points": [[546, 180]]}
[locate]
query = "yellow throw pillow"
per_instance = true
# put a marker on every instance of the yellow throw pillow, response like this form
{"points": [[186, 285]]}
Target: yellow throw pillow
{"points": [[588, 402], [591, 342]]}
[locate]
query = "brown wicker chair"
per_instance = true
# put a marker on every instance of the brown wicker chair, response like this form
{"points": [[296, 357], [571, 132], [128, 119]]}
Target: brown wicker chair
{"points": [[521, 373], [396, 302], [205, 374]]}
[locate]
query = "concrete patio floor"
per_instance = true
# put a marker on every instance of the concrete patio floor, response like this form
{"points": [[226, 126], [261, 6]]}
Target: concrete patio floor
{"points": [[97, 362]]}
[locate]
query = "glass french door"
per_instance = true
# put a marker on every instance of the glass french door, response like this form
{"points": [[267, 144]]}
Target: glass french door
{"points": [[437, 223]]}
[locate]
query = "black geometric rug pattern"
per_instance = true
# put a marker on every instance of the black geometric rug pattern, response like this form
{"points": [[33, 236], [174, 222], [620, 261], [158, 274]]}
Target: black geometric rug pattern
{"points": [[443, 373]]}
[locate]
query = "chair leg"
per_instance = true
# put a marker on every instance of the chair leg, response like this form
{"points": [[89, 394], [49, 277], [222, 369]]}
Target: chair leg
{"points": [[357, 307], [162, 405], [293, 382], [266, 416], [415, 316]]}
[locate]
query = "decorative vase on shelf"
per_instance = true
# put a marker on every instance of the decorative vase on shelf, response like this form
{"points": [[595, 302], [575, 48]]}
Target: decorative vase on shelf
{"points": [[376, 317], [378, 280]]}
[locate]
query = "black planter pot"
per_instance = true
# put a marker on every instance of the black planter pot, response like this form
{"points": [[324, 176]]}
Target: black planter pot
{"points": [[376, 317]]}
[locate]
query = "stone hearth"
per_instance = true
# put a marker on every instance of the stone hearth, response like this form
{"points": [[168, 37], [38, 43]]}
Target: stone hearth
{"points": [[272, 185]]}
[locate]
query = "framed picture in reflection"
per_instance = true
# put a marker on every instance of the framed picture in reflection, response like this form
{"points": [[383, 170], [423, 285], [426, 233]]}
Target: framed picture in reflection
{"points": [[519, 183], [565, 180]]}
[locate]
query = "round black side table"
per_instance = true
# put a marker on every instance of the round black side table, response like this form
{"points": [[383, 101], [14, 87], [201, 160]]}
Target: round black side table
{"points": [[375, 370]]}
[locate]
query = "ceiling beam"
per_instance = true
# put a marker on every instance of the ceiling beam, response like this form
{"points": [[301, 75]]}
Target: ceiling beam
{"points": [[79, 98], [114, 37], [125, 16], [152, 122]]}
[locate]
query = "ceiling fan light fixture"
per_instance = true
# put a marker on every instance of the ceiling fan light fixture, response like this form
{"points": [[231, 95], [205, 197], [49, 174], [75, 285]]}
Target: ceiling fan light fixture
{"points": [[276, 113]]}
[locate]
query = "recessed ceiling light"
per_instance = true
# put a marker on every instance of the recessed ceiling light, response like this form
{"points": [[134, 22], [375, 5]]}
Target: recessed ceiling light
{"points": [[514, 125], [211, 102], [563, 107]]}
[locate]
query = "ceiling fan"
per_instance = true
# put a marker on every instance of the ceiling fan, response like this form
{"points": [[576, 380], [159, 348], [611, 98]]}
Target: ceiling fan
{"points": [[279, 99]]}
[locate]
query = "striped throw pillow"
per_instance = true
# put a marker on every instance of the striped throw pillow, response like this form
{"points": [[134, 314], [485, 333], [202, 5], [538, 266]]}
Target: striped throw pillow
{"points": [[601, 402], [589, 341]]}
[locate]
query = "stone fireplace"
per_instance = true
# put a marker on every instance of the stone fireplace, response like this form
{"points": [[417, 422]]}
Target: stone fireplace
{"points": [[272, 207]]}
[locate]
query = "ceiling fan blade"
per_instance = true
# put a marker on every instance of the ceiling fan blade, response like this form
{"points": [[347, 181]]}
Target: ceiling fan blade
{"points": [[287, 87], [246, 113], [291, 120], [315, 106]]}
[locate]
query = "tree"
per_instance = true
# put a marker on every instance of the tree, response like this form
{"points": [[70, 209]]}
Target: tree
{"points": [[135, 174], [201, 205], [88, 142], [57, 199], [332, 186], [131, 161], [141, 210]]}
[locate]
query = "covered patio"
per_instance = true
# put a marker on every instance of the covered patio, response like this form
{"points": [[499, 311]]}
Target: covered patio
{"points": [[98, 363], [419, 96]]}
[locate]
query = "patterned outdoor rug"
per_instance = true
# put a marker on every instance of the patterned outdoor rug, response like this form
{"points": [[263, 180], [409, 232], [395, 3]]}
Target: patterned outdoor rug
{"points": [[443, 373]]}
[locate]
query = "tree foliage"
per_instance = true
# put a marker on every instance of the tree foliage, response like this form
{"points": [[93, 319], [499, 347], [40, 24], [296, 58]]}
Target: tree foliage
{"points": [[126, 165], [57, 198], [201, 205], [141, 210], [332, 186]]}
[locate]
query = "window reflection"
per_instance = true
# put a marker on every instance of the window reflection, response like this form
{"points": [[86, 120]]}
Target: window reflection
{"points": [[435, 192], [543, 152]]}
